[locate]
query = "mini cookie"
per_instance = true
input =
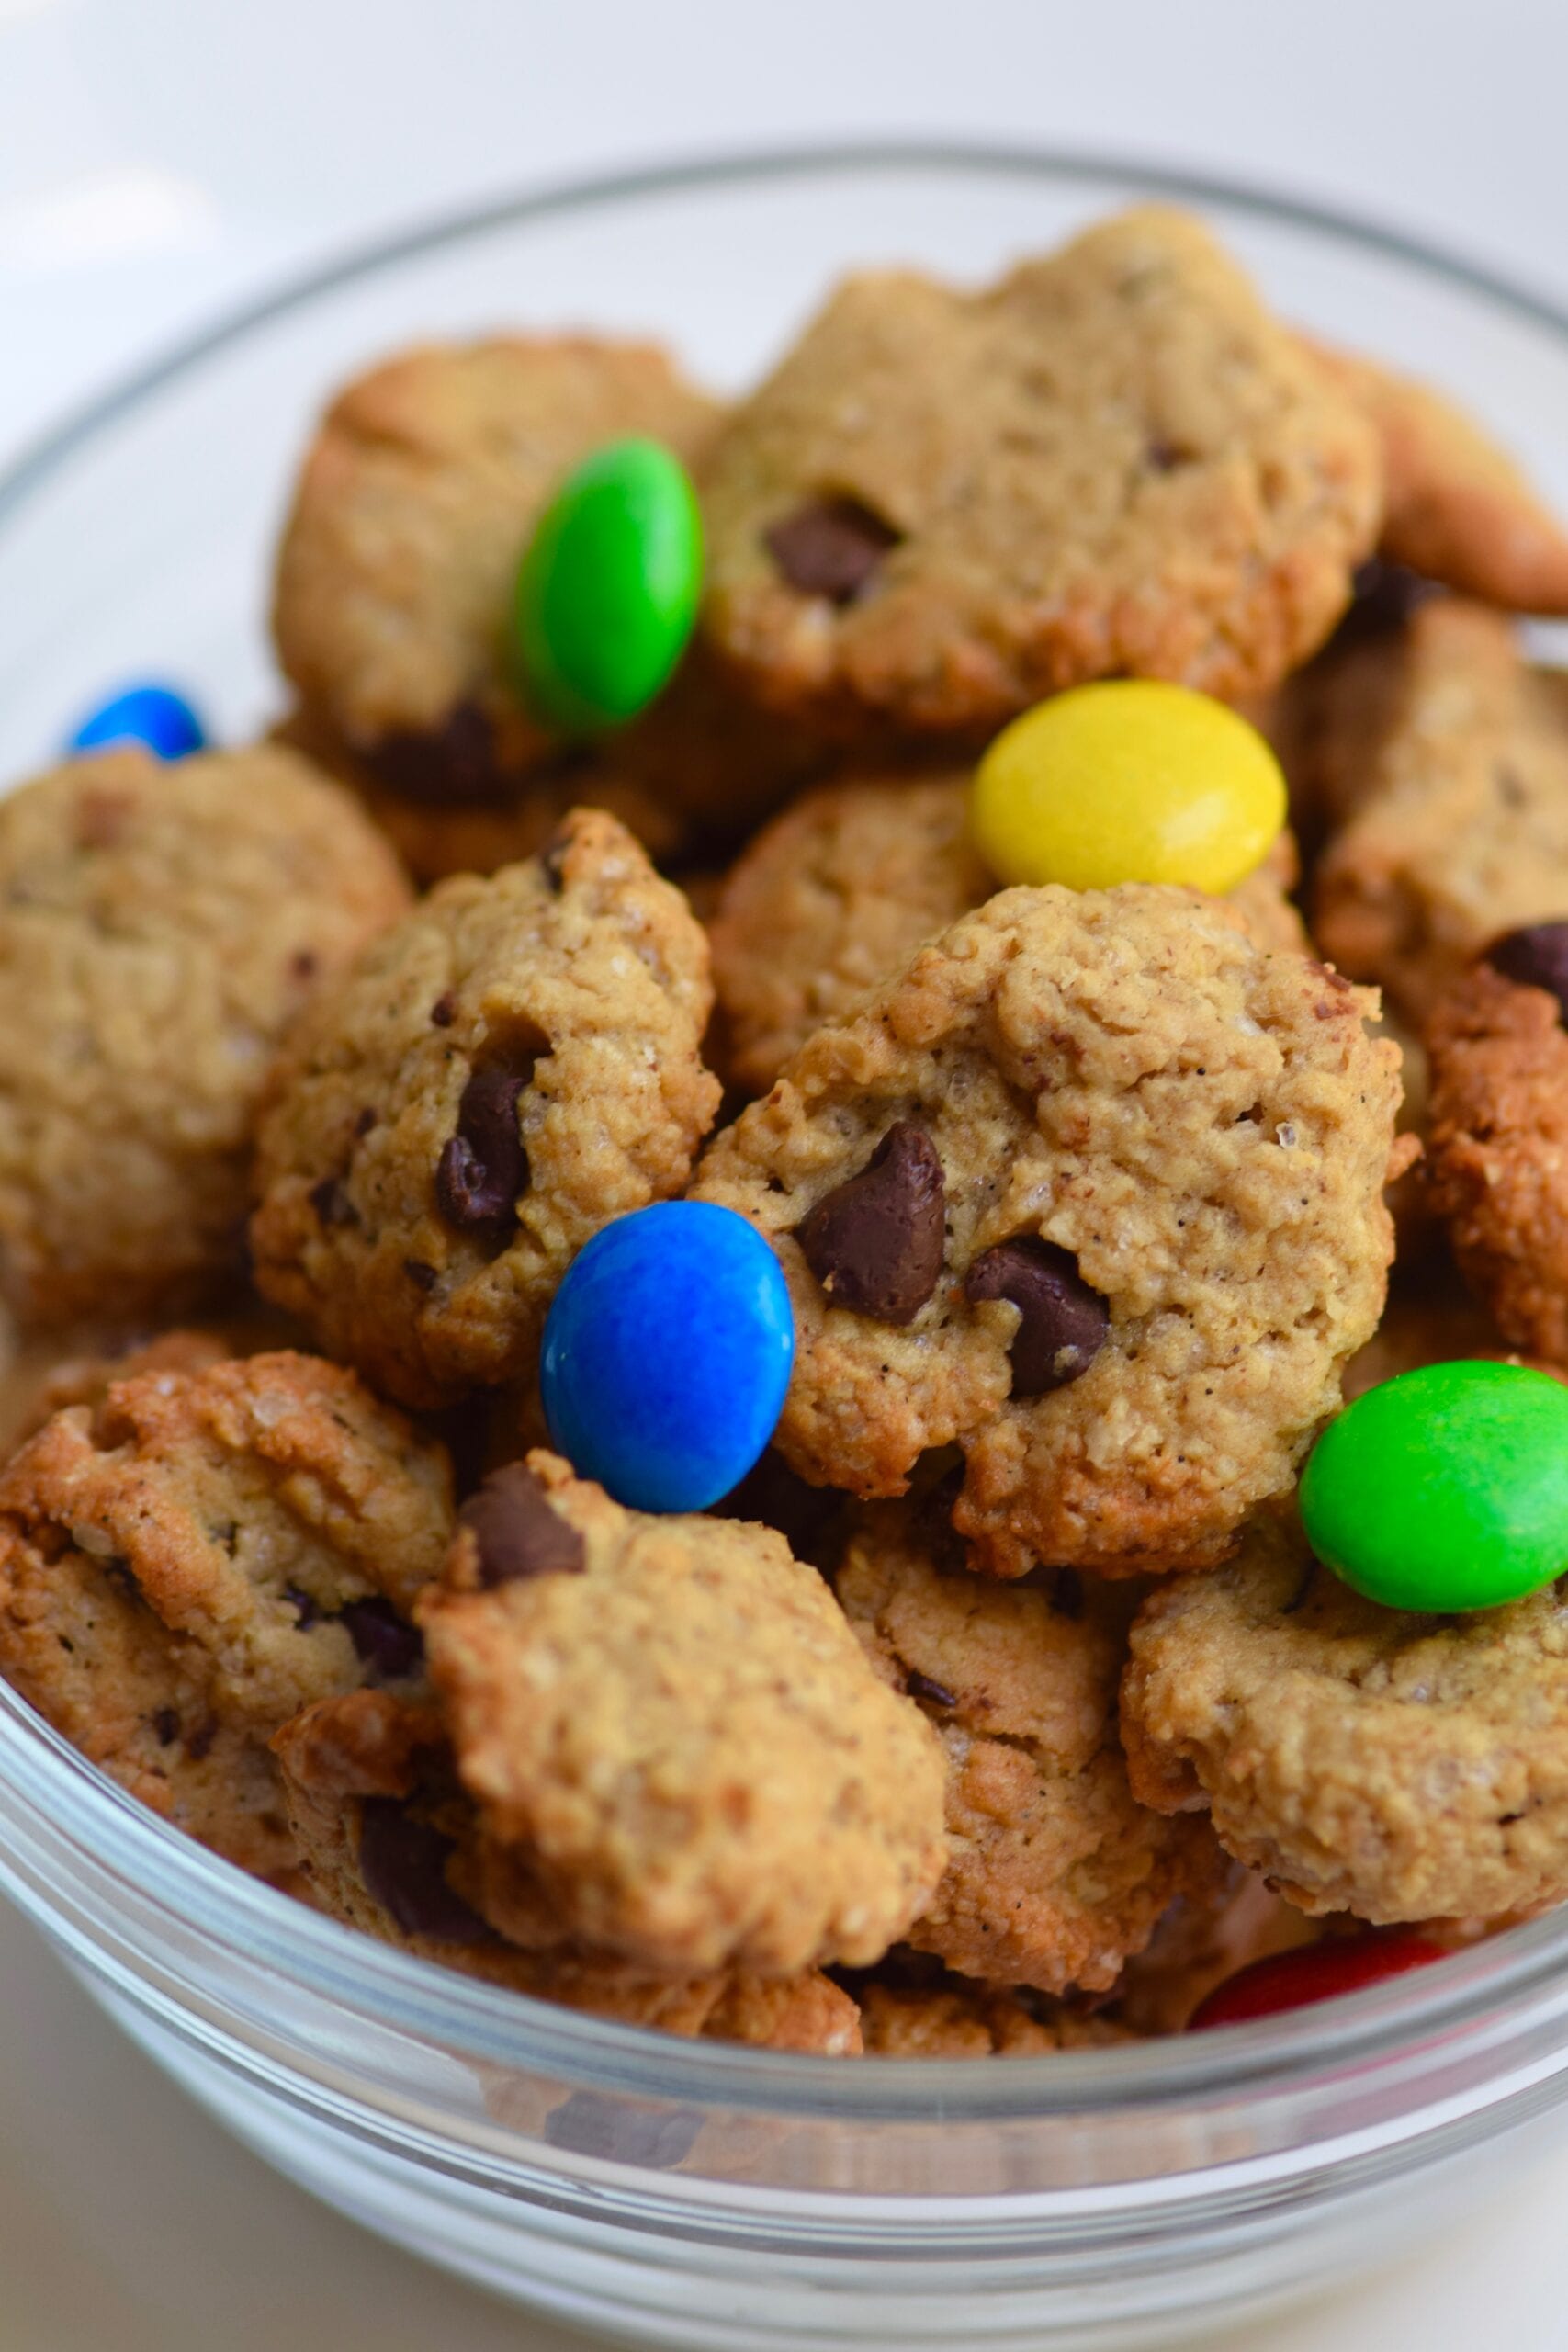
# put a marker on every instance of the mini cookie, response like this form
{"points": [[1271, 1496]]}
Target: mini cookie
{"points": [[1094, 1190], [416, 500], [393, 1847], [1400, 1767], [1056, 1872], [509, 1068], [835, 896], [954, 2019], [671, 1717], [942, 506], [160, 927], [1497, 1165], [193, 1557], [1458, 830], [1456, 507]]}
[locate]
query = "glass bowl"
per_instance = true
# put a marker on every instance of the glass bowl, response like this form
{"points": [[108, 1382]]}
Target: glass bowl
{"points": [[667, 2192]]}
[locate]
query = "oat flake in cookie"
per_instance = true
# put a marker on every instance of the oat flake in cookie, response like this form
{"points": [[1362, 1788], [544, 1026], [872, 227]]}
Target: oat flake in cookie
{"points": [[512, 1066], [672, 1718], [196, 1555], [941, 506], [1200, 1128]]}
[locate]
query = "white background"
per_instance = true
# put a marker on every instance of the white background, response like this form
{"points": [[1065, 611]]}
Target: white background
{"points": [[162, 158]]}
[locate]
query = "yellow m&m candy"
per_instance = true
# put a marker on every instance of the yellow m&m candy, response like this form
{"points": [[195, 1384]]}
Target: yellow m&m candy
{"points": [[1130, 780]]}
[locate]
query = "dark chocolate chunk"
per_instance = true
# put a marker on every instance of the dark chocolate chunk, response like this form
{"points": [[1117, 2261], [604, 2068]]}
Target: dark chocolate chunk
{"points": [[198, 1747], [1383, 597], [831, 547], [330, 1201], [483, 1167], [1536, 958], [403, 1864], [517, 1531], [875, 1243], [167, 1724], [366, 1121], [1062, 1323], [387, 1644], [422, 1277], [444, 1011], [922, 1686], [455, 762]]}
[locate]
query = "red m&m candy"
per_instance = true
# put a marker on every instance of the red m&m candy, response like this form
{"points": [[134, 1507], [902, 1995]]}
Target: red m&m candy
{"points": [[1292, 1980]]}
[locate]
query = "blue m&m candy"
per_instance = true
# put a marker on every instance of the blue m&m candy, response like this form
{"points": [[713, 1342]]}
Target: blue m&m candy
{"points": [[667, 1354], [156, 718]]}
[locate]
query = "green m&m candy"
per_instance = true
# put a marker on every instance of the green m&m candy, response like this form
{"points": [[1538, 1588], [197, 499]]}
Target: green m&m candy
{"points": [[608, 588], [1444, 1489]]}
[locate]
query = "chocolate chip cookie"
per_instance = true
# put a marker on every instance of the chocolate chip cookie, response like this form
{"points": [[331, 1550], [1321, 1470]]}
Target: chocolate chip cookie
{"points": [[942, 506], [834, 896], [1399, 1767], [512, 1066], [1452, 776], [954, 2019], [1457, 508], [196, 1555], [393, 1847], [415, 502], [1057, 1873], [159, 928], [1093, 1189], [672, 1718], [1498, 1163]]}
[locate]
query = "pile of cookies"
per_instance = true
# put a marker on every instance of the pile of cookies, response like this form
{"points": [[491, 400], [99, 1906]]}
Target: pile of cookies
{"points": [[781, 925]]}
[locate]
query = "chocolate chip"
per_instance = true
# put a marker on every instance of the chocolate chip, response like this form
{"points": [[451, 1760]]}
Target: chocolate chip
{"points": [[302, 1603], [330, 1201], [366, 1121], [483, 1167], [1536, 958], [1066, 1593], [383, 1641], [303, 963], [422, 1277], [199, 1745], [553, 857], [1383, 597], [167, 1724], [875, 1243], [1062, 1323], [455, 762], [922, 1686], [403, 1864], [444, 1011], [588, 2124], [1165, 457], [831, 547], [517, 1531]]}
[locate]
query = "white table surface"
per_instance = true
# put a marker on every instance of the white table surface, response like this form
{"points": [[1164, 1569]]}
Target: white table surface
{"points": [[161, 158]]}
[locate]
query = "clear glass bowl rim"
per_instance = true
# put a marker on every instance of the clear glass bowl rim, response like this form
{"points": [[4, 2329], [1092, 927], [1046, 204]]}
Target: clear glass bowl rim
{"points": [[471, 2020]]}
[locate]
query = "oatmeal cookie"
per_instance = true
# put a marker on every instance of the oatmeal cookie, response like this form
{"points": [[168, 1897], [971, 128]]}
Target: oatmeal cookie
{"points": [[835, 896], [1094, 1188], [672, 1718], [393, 1847], [1498, 1164], [952, 2019], [416, 500], [1057, 1873], [512, 1066], [1453, 787], [191, 1559], [942, 506], [1457, 508], [160, 927], [1403, 1768]]}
